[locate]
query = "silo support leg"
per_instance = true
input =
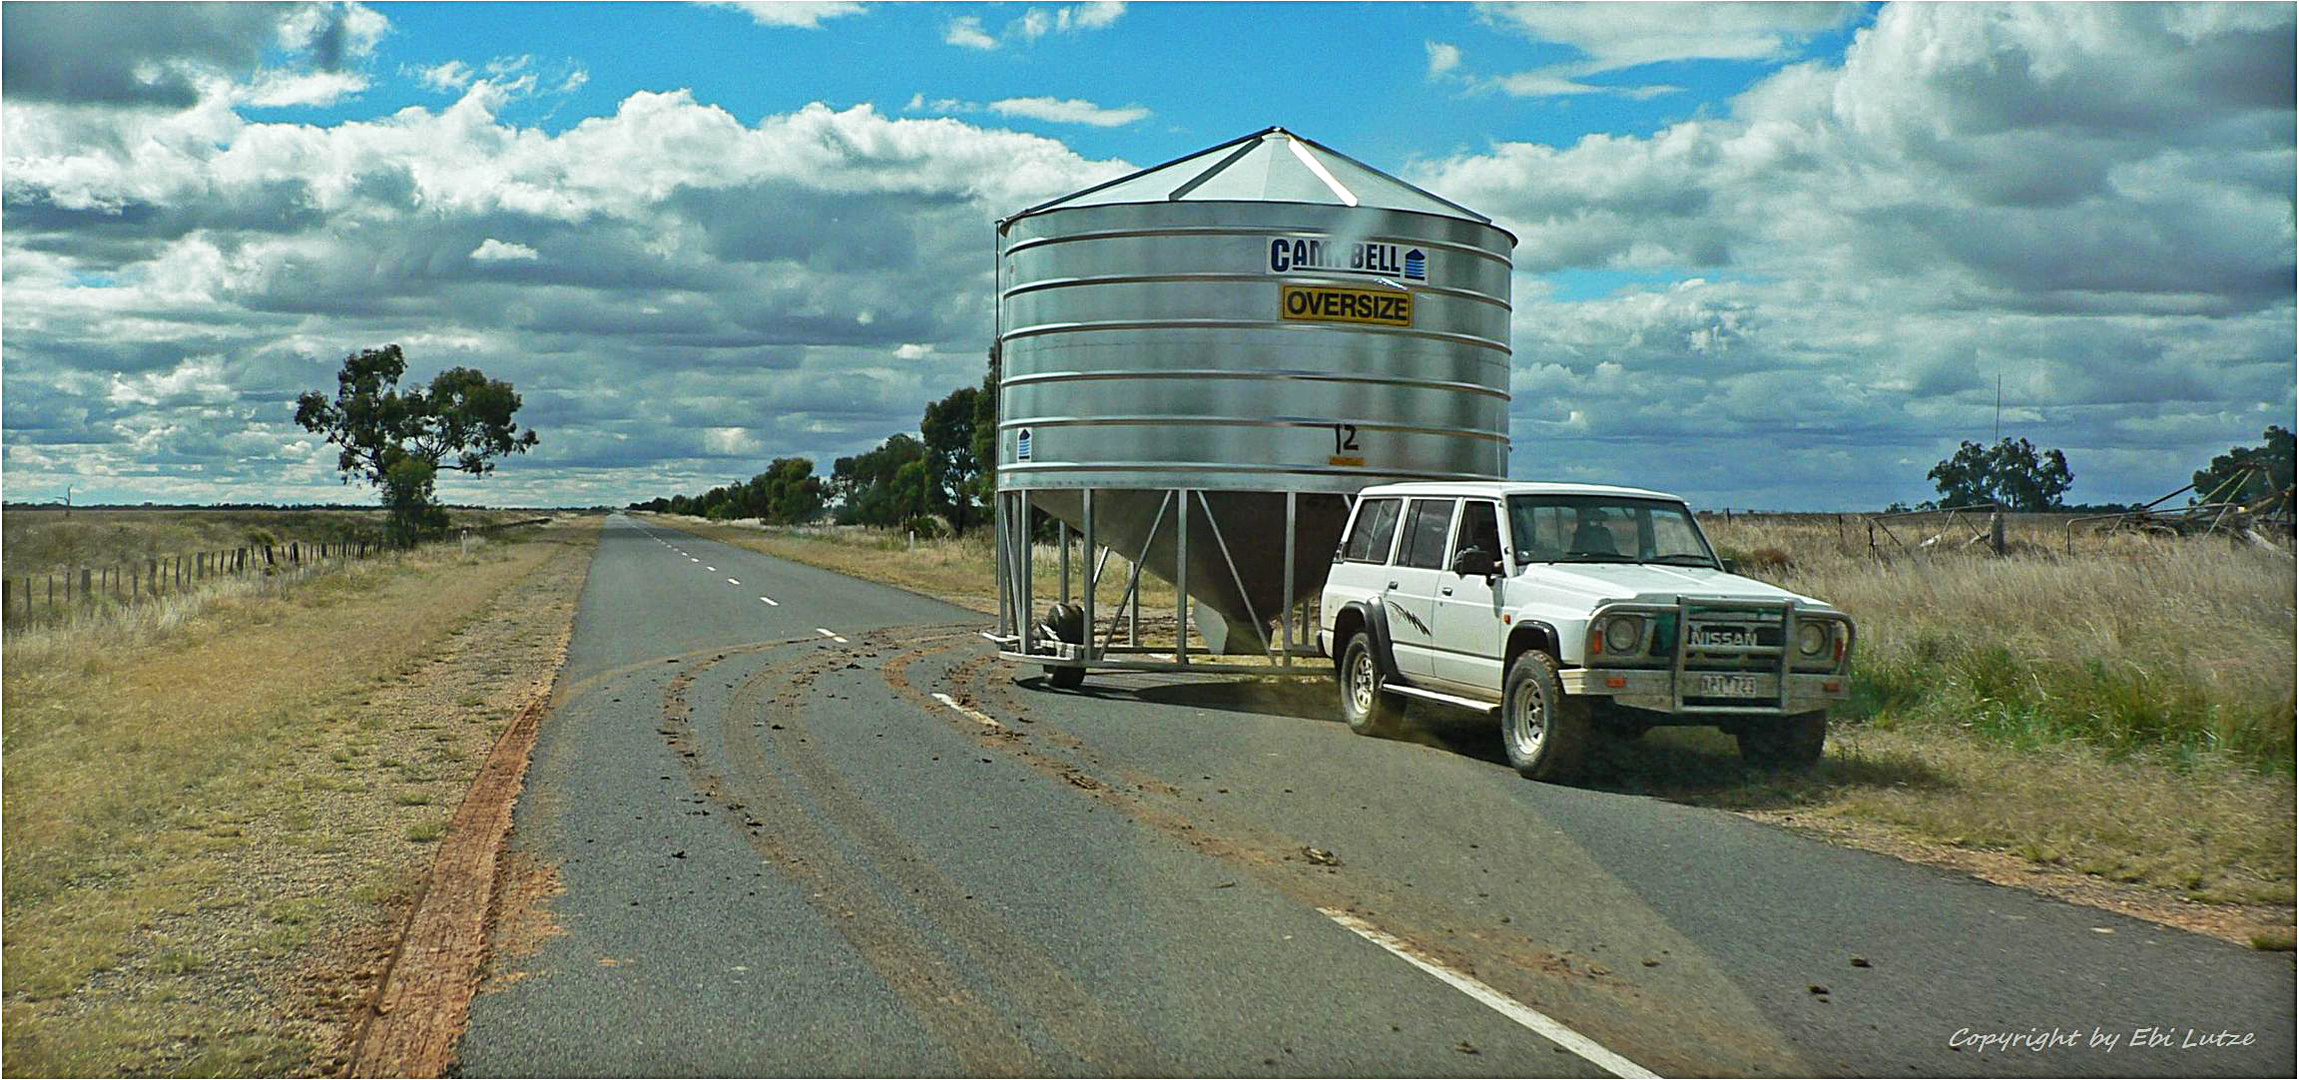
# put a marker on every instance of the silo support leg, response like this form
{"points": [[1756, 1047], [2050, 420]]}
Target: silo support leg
{"points": [[1181, 582], [1005, 581], [1093, 573], [1029, 569], [1285, 624], [1131, 605], [1260, 630]]}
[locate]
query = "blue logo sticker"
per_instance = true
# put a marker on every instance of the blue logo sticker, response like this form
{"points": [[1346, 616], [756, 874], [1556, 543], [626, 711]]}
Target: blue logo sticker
{"points": [[1416, 265], [1022, 445]]}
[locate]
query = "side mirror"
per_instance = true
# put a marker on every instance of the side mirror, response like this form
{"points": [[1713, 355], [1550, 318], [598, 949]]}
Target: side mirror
{"points": [[1476, 561], [1731, 566]]}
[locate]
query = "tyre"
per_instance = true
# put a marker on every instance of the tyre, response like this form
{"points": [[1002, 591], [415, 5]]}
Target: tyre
{"points": [[1068, 623], [1544, 732], [1365, 705], [1790, 742]]}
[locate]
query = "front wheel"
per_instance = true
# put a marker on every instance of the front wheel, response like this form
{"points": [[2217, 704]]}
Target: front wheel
{"points": [[1544, 732], [1365, 705], [1790, 742]]}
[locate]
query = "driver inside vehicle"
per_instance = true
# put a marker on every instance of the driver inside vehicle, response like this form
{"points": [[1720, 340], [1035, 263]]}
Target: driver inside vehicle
{"points": [[1482, 533], [1590, 534]]}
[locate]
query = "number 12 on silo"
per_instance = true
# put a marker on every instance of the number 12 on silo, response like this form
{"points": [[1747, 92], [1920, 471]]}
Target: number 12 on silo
{"points": [[1344, 438]]}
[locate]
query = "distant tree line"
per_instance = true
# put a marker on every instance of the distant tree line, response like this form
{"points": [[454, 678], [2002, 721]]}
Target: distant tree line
{"points": [[2022, 477], [941, 477]]}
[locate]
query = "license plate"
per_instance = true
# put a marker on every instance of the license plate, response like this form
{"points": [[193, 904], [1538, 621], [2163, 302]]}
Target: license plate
{"points": [[1728, 686], [1739, 637]]}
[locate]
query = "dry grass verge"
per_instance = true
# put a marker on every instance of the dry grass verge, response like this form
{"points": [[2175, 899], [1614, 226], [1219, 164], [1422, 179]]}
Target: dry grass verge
{"points": [[2113, 726], [211, 823]]}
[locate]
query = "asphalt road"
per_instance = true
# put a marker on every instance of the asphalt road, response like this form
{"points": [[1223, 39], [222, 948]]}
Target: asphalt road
{"points": [[833, 835]]}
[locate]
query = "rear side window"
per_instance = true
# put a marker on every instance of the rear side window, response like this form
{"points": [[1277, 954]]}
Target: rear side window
{"points": [[1425, 530], [1369, 540]]}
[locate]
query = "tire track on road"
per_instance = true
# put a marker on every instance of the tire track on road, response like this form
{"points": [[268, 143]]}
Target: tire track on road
{"points": [[1017, 970], [778, 826], [1700, 1038]]}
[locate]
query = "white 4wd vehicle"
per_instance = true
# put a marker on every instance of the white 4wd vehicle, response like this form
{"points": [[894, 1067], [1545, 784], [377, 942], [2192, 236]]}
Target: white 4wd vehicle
{"points": [[1576, 612]]}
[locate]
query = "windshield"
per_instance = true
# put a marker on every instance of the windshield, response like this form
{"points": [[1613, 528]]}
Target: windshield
{"points": [[1605, 528]]}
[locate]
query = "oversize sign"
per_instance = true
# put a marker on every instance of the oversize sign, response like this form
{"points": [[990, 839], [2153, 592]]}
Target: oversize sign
{"points": [[1325, 303], [1320, 255]]}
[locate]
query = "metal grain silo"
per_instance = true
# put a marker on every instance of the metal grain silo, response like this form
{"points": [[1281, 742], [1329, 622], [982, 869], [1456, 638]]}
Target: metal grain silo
{"points": [[1201, 362]]}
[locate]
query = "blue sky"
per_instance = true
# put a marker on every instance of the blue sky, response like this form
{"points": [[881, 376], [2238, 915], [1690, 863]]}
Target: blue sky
{"points": [[1206, 71], [1770, 255]]}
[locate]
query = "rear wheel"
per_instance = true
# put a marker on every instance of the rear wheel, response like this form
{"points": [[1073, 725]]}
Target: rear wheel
{"points": [[1068, 623], [1544, 732], [1366, 705], [1790, 742]]}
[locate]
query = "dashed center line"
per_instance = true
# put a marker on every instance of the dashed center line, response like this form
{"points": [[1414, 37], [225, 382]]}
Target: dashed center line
{"points": [[1538, 1022], [971, 714], [732, 581], [828, 634], [770, 602], [712, 569]]}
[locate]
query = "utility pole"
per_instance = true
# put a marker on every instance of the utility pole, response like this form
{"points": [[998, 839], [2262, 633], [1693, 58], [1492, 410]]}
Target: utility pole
{"points": [[1999, 404], [67, 500]]}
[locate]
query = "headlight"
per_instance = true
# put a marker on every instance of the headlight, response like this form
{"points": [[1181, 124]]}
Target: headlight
{"points": [[1621, 633], [1812, 638]]}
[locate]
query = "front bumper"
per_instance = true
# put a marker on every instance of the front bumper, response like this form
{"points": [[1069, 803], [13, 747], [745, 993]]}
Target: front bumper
{"points": [[1656, 690]]}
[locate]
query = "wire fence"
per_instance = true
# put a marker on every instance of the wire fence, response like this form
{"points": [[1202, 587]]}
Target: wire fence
{"points": [[68, 592]]}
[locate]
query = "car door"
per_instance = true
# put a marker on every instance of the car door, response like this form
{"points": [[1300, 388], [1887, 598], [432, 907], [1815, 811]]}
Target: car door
{"points": [[1467, 649], [1412, 588]]}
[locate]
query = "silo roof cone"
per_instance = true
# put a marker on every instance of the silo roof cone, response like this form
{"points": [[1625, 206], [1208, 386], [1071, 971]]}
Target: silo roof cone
{"points": [[1272, 165]]}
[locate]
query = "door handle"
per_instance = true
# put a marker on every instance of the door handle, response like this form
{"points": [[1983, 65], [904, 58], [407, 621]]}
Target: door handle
{"points": [[1447, 590], [1392, 584]]}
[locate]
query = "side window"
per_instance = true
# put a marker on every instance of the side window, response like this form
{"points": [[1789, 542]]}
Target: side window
{"points": [[1369, 540], [1425, 530], [1480, 529]]}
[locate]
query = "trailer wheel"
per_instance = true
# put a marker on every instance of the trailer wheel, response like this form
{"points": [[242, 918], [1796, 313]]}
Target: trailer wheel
{"points": [[1068, 623]]}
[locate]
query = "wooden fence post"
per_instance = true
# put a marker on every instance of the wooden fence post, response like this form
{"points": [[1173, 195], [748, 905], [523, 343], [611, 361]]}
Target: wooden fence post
{"points": [[85, 594]]}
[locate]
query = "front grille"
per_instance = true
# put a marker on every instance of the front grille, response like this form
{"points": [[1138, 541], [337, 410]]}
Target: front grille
{"points": [[1767, 637]]}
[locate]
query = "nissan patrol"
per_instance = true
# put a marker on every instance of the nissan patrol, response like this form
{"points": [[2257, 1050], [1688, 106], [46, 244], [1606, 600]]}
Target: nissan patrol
{"points": [[1575, 612]]}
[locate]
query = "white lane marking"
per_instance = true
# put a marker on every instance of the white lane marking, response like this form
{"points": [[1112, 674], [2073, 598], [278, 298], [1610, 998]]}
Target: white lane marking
{"points": [[830, 635], [977, 717], [732, 581], [691, 558], [769, 601], [712, 569], [1540, 1023]]}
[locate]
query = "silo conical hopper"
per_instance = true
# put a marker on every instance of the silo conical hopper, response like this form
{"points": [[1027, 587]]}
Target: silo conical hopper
{"points": [[1263, 322]]}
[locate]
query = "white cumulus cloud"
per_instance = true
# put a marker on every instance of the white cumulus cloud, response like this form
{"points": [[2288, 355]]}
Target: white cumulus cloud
{"points": [[1069, 111], [1442, 57], [966, 31], [2092, 200], [493, 250], [799, 13]]}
